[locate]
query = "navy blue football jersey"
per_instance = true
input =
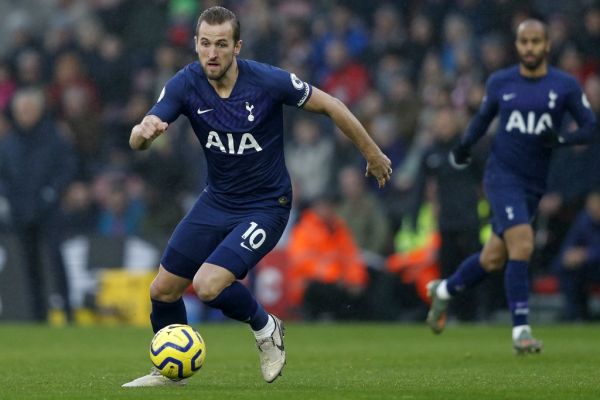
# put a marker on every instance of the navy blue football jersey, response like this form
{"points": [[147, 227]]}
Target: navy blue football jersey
{"points": [[527, 107], [242, 135]]}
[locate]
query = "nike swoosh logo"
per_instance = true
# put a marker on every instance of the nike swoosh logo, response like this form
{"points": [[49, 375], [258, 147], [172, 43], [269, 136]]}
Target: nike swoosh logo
{"points": [[246, 247], [509, 96], [203, 111]]}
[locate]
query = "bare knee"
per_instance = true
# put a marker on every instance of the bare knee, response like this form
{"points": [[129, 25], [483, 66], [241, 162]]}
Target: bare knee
{"points": [[206, 290], [167, 287], [493, 256], [519, 242], [492, 261], [521, 250], [210, 281], [162, 291]]}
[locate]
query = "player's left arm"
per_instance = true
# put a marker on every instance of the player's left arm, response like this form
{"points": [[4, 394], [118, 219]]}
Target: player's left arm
{"points": [[580, 109], [378, 164]]}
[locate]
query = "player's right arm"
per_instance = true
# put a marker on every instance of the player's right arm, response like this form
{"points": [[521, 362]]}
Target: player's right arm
{"points": [[460, 155], [167, 108], [144, 133]]}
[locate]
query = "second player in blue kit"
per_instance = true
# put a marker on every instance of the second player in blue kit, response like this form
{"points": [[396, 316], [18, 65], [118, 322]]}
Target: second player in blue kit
{"points": [[531, 101], [235, 108]]}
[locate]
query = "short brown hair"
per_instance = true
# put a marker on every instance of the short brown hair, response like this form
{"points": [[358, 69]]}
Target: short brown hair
{"points": [[217, 15]]}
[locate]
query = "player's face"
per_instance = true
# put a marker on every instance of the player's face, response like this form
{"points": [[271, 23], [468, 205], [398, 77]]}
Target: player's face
{"points": [[532, 47], [216, 49]]}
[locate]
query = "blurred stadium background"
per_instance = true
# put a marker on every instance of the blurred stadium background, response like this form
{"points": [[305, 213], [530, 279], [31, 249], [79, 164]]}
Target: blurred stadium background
{"points": [[412, 71]]}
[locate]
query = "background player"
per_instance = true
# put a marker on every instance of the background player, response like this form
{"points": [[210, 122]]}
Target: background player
{"points": [[531, 100], [235, 109]]}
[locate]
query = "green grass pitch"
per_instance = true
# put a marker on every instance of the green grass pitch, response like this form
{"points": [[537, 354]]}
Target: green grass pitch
{"points": [[325, 361]]}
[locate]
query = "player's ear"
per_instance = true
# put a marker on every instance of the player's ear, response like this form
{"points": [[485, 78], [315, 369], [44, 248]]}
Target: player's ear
{"points": [[238, 47]]}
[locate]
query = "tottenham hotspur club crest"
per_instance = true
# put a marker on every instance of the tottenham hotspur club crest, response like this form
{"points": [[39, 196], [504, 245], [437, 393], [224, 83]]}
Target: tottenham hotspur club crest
{"points": [[250, 107], [552, 96]]}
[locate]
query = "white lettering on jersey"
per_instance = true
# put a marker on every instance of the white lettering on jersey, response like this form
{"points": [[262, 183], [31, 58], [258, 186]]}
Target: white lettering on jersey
{"points": [[534, 126], [214, 140], [247, 141], [161, 95]]}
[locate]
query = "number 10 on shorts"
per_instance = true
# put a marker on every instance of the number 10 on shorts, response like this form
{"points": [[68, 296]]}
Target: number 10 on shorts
{"points": [[256, 237]]}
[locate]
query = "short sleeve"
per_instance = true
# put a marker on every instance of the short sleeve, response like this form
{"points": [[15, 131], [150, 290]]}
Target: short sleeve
{"points": [[170, 101], [578, 105], [287, 87]]}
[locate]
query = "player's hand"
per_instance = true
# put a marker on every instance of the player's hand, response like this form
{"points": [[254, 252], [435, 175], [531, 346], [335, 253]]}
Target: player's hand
{"points": [[380, 167], [460, 156], [551, 138], [152, 127], [144, 133]]}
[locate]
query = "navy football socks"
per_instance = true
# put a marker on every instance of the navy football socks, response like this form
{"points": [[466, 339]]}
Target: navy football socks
{"points": [[236, 302], [469, 273], [516, 285], [164, 314]]}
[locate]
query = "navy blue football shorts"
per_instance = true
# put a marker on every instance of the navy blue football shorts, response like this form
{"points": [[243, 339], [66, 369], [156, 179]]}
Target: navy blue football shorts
{"points": [[233, 239], [511, 204]]}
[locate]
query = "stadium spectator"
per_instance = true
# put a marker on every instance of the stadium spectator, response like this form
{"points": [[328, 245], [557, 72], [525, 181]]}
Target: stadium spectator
{"points": [[405, 107], [590, 34], [36, 167], [69, 73], [363, 213], [420, 41], [327, 275], [8, 85], [30, 68], [341, 25], [387, 33], [111, 72], [562, 202], [457, 35], [309, 158], [79, 211], [121, 209], [85, 131], [456, 197], [345, 78], [578, 264]]}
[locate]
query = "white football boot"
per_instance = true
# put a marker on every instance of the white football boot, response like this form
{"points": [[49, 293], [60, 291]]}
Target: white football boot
{"points": [[272, 353], [154, 378]]}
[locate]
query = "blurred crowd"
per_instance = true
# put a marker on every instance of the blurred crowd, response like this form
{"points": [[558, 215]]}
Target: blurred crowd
{"points": [[412, 71]]}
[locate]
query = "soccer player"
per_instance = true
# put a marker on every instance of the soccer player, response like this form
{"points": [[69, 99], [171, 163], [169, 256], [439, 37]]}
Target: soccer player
{"points": [[531, 100], [235, 108]]}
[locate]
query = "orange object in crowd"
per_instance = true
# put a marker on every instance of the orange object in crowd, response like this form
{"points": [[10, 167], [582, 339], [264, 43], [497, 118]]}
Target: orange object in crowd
{"points": [[418, 266], [324, 252]]}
